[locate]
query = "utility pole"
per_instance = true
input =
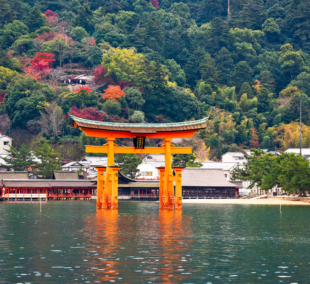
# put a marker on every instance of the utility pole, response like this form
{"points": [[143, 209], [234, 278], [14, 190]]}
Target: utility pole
{"points": [[300, 128]]}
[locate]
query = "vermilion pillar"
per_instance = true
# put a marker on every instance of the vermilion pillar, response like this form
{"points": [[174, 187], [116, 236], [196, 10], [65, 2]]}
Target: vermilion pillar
{"points": [[178, 187], [168, 188], [161, 186], [114, 187], [100, 185]]}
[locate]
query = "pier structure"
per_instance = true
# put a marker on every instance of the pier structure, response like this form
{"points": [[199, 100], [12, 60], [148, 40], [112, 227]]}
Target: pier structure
{"points": [[107, 182], [36, 189]]}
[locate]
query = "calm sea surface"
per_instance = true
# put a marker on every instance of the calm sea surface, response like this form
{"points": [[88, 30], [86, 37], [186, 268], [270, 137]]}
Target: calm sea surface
{"points": [[72, 242]]}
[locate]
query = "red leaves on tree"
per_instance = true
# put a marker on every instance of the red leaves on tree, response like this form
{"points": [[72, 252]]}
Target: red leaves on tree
{"points": [[90, 113], [52, 18], [48, 36], [113, 93], [2, 96], [40, 65], [49, 13], [82, 88], [254, 142], [101, 78], [155, 3]]}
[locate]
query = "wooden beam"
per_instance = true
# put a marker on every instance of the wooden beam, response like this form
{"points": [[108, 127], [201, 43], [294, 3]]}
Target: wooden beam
{"points": [[125, 134], [132, 150]]}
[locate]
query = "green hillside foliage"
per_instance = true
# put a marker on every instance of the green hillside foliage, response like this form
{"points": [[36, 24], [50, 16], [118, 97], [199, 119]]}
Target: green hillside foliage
{"points": [[243, 63]]}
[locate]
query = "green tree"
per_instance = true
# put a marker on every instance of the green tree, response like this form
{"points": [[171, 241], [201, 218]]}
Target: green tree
{"points": [[25, 98], [185, 161], [78, 33], [129, 164], [271, 29], [12, 32], [242, 73], [263, 100], [252, 15], [19, 159], [138, 115], [266, 142], [134, 98], [246, 89], [224, 65], [58, 47], [293, 173], [302, 81], [80, 99], [35, 19], [6, 76], [7, 14], [50, 160], [84, 19], [290, 60], [112, 107], [180, 9], [208, 70], [258, 166]]}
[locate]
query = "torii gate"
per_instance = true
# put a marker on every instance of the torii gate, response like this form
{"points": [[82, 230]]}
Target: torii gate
{"points": [[107, 184]]}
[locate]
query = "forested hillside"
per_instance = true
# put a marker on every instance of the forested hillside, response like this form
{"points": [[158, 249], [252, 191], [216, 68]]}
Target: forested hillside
{"points": [[243, 63]]}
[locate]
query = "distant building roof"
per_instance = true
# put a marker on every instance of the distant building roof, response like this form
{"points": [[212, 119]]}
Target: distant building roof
{"points": [[220, 165], [204, 178], [304, 151], [154, 158], [14, 175], [73, 164], [68, 175], [235, 154], [154, 164], [4, 136]]}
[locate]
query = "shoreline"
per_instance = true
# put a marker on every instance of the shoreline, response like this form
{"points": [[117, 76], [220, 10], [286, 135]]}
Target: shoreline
{"points": [[266, 201]]}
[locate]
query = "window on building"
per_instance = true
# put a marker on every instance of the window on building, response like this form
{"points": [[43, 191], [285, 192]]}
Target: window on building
{"points": [[226, 175], [6, 142], [149, 174]]}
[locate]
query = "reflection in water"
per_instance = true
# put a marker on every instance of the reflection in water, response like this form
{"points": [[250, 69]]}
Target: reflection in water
{"points": [[71, 242], [171, 244], [106, 236]]}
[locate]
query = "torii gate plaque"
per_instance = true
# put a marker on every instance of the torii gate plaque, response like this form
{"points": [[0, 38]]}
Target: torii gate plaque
{"points": [[107, 186]]}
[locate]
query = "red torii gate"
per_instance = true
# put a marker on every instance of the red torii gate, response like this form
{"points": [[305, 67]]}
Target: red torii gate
{"points": [[107, 184]]}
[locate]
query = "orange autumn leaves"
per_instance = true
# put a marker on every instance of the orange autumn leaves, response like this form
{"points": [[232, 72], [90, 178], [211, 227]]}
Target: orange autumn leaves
{"points": [[113, 93]]}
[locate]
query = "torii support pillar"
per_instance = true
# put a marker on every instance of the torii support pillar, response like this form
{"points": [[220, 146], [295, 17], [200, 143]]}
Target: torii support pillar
{"points": [[178, 187], [161, 187], [168, 179], [100, 186]]}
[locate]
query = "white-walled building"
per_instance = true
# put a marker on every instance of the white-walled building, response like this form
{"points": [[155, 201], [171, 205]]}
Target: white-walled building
{"points": [[305, 152], [233, 157], [154, 158], [227, 167], [5, 144], [149, 170]]}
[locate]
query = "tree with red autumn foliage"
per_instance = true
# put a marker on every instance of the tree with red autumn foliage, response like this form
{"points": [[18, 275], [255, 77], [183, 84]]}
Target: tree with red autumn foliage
{"points": [[90, 113], [155, 3], [101, 78], [52, 18], [49, 36], [113, 93], [40, 65], [82, 88], [254, 142]]}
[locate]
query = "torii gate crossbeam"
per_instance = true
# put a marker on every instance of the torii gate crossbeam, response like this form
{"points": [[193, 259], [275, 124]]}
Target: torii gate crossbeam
{"points": [[107, 183]]}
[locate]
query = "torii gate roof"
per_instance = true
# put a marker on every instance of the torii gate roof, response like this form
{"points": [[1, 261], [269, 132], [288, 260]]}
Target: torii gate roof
{"points": [[141, 127]]}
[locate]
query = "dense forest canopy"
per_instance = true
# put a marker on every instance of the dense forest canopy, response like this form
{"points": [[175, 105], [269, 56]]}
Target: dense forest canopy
{"points": [[243, 63]]}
